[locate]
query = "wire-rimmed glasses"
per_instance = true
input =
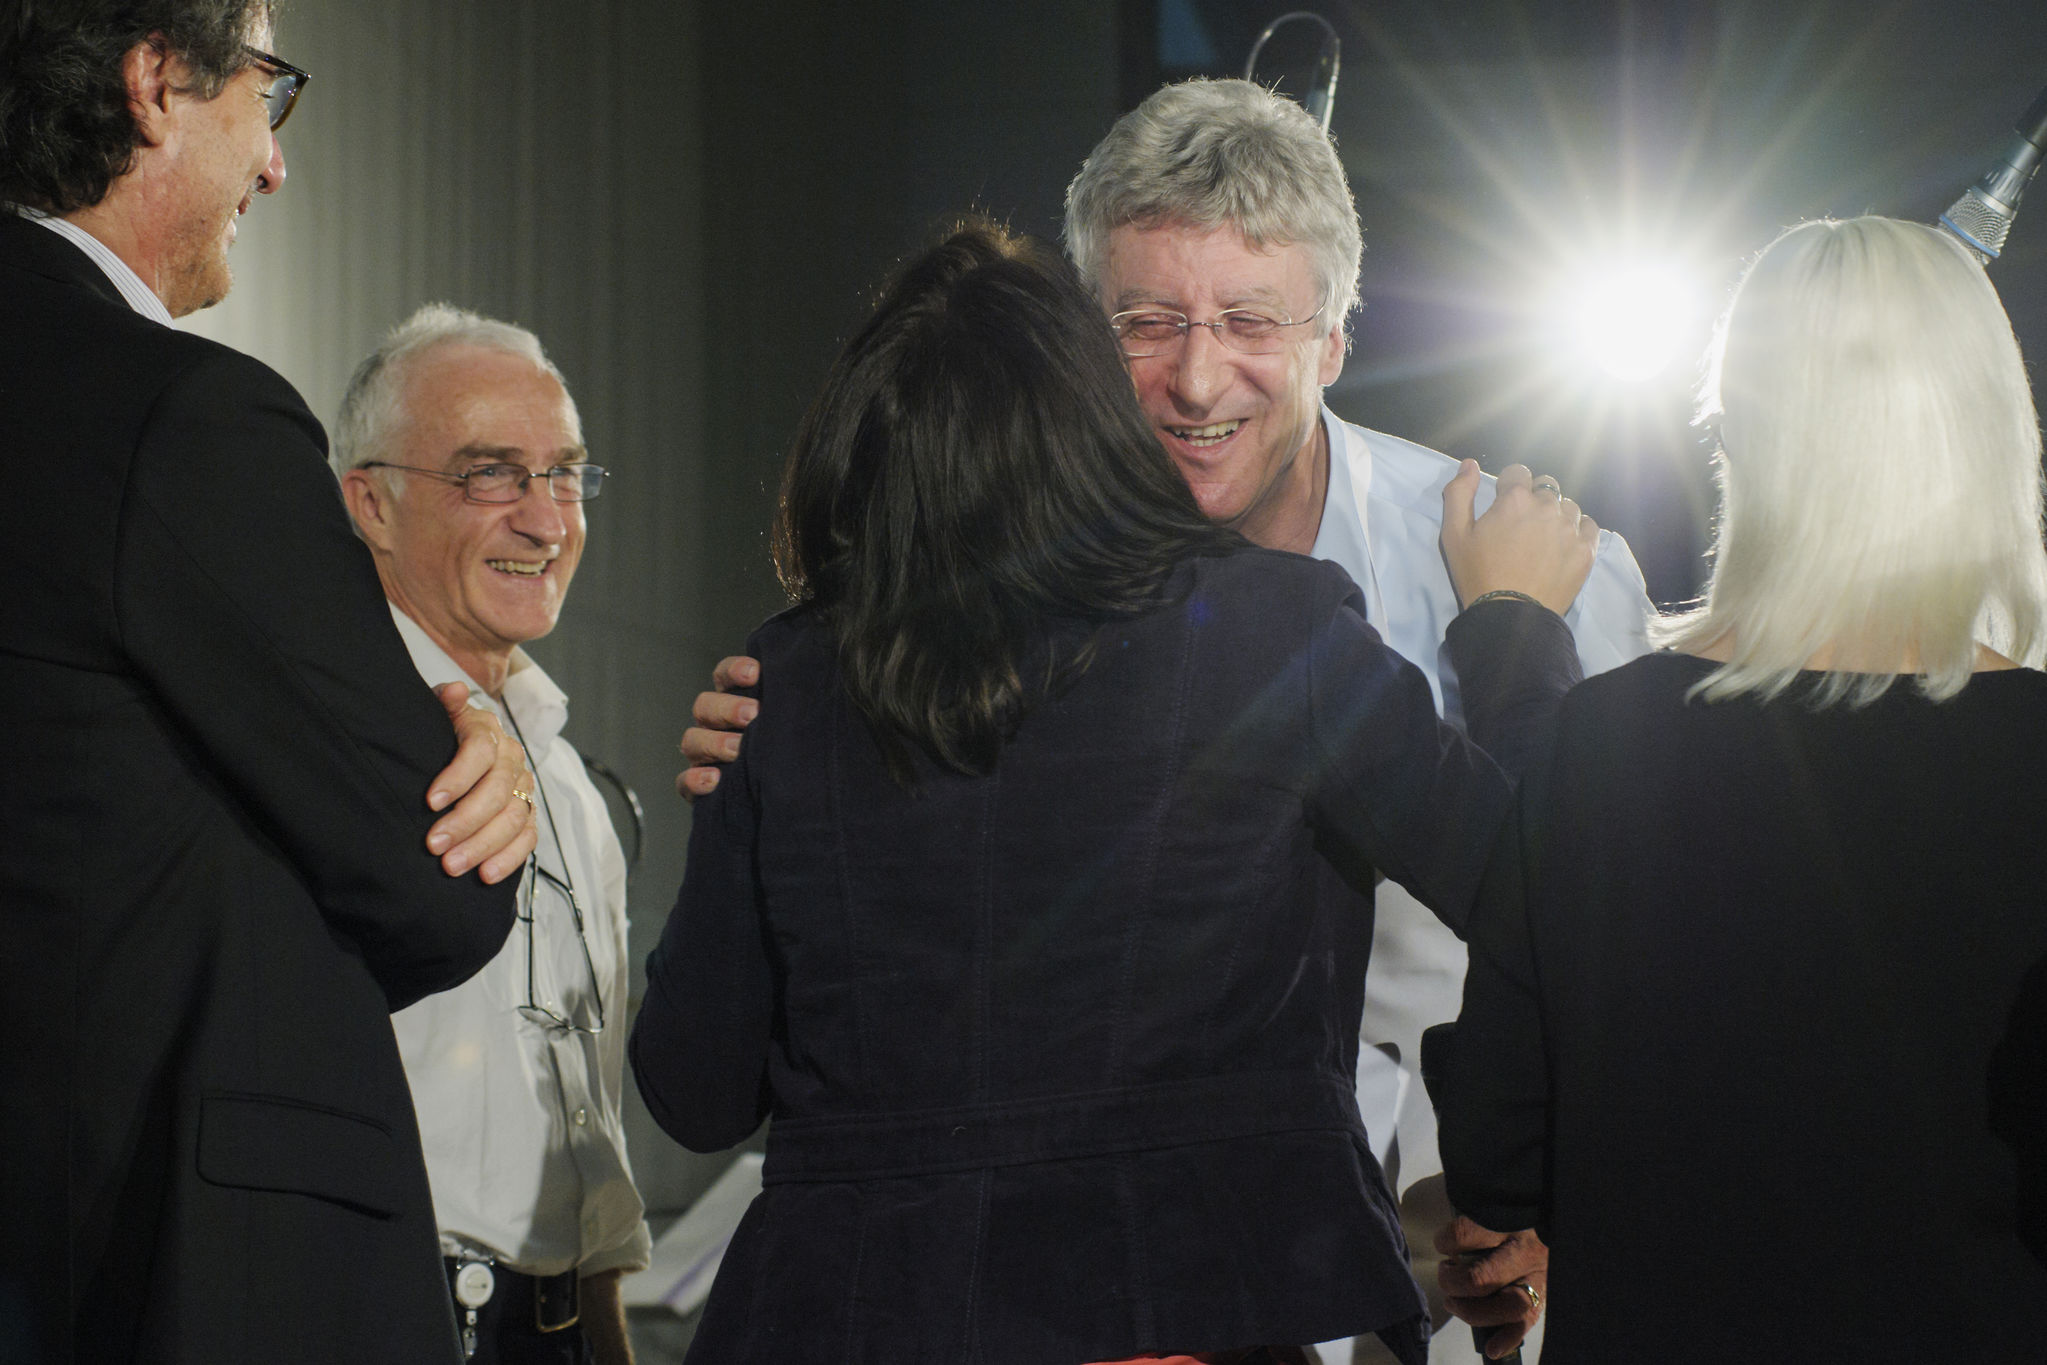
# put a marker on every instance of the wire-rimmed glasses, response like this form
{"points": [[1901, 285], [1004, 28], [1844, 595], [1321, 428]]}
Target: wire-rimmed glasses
{"points": [[1155, 331], [534, 1011], [571, 482]]}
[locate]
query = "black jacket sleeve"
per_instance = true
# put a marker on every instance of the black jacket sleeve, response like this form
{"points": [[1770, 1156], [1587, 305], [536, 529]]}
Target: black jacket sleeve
{"points": [[248, 606], [1493, 1105]]}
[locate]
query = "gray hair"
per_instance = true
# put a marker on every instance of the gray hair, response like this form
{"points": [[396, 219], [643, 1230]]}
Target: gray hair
{"points": [[1211, 152], [1879, 468], [372, 415]]}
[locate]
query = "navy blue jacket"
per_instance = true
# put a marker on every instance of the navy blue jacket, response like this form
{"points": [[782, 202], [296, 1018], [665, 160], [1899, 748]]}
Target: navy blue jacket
{"points": [[1060, 1059]]}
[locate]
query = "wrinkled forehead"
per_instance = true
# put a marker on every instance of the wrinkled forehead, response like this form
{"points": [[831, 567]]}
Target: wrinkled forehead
{"points": [[459, 399]]}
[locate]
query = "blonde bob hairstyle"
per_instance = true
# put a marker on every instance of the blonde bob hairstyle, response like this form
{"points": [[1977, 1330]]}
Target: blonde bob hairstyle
{"points": [[1879, 469]]}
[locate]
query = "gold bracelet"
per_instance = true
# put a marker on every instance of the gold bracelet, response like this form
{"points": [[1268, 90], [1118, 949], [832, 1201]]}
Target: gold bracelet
{"points": [[1502, 594]]}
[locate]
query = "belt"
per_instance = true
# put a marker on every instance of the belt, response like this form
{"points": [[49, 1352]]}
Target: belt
{"points": [[496, 1298]]}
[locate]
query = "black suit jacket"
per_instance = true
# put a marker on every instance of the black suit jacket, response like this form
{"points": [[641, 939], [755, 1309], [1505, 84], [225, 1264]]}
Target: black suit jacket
{"points": [[1737, 980], [214, 755]]}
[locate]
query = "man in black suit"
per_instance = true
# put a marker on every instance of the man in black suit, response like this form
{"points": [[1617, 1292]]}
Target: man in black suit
{"points": [[219, 770]]}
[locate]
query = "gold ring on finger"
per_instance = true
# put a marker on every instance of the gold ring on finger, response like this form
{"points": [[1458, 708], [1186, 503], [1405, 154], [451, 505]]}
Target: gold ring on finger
{"points": [[527, 797], [1534, 1294]]}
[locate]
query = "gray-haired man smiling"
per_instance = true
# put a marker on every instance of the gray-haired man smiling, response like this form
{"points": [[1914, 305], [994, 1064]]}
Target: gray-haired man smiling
{"points": [[461, 458]]}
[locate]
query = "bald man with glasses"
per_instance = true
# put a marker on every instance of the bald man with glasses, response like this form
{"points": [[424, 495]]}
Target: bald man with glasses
{"points": [[461, 459]]}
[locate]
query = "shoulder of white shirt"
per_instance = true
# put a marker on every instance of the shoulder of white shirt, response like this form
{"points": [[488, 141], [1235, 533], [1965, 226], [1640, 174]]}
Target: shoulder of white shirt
{"points": [[1411, 477]]}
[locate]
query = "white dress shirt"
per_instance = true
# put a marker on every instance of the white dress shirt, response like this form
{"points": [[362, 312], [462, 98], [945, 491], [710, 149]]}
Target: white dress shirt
{"points": [[1382, 521], [525, 1147], [138, 295]]}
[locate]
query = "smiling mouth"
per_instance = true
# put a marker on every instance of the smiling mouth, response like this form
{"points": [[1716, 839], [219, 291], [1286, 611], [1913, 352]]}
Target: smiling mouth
{"points": [[522, 568], [1213, 434]]}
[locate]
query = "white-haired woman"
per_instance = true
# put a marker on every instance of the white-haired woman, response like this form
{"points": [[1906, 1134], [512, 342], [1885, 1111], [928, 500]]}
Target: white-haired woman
{"points": [[1736, 987]]}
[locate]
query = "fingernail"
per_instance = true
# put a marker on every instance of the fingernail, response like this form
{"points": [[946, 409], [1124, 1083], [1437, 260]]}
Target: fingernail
{"points": [[435, 800], [732, 747], [748, 710], [438, 842], [457, 864], [748, 672]]}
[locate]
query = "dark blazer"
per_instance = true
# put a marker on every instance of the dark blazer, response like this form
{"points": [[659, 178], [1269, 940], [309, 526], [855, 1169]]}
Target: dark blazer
{"points": [[1061, 1059], [214, 755], [1727, 1039]]}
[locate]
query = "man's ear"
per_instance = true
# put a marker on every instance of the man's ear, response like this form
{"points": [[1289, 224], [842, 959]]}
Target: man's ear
{"points": [[150, 71], [1331, 359], [371, 506]]}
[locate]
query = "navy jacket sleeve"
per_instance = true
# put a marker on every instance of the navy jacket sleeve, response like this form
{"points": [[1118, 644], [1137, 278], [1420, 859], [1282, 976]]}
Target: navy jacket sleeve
{"points": [[245, 602], [700, 1047], [1397, 785], [1514, 661]]}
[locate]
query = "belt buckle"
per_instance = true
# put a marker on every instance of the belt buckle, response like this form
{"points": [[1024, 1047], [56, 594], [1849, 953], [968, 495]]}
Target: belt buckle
{"points": [[545, 1295]]}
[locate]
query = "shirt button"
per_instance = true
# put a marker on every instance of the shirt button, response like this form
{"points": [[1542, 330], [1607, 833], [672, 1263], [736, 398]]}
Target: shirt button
{"points": [[582, 1118]]}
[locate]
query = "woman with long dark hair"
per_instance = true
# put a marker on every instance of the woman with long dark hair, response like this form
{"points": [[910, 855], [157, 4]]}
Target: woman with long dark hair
{"points": [[1731, 1037], [1036, 908]]}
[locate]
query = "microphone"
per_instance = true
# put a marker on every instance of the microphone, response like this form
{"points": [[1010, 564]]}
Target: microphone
{"points": [[1320, 101], [1981, 218]]}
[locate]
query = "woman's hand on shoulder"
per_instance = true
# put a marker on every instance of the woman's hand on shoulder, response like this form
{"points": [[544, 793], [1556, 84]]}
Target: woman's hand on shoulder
{"points": [[1532, 540]]}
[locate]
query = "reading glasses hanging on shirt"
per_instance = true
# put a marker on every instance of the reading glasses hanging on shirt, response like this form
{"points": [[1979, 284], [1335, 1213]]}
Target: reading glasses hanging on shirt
{"points": [[542, 886]]}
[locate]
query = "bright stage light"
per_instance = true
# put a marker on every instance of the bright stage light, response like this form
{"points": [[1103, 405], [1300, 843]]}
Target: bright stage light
{"points": [[1634, 321]]}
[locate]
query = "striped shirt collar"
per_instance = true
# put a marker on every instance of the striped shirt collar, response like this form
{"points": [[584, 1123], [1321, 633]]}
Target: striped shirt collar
{"points": [[138, 295]]}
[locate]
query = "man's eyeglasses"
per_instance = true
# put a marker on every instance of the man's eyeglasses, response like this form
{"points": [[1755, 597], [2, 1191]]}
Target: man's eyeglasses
{"points": [[286, 81], [1155, 331], [507, 482], [534, 1011]]}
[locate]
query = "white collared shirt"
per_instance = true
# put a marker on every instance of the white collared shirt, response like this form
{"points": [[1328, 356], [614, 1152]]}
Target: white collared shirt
{"points": [[138, 295], [1382, 521], [525, 1147]]}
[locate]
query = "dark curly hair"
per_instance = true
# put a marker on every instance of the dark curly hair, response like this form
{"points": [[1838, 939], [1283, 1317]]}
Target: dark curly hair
{"points": [[974, 492], [65, 131]]}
